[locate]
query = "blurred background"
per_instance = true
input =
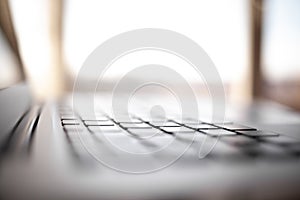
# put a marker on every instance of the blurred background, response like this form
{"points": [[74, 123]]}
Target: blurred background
{"points": [[253, 43]]}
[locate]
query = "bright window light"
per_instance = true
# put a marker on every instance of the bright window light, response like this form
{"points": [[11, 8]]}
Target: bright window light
{"points": [[220, 27]]}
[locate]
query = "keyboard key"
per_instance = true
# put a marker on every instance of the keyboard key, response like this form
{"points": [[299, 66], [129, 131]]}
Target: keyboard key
{"points": [[136, 125], [191, 120], [158, 122], [105, 129], [201, 126], [98, 123], [70, 122], [167, 124], [132, 121], [220, 122], [259, 133], [218, 132], [146, 132], [151, 118], [235, 127], [71, 117], [181, 129], [72, 128]]}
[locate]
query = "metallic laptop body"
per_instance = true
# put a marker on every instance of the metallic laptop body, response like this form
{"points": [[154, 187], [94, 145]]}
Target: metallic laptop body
{"points": [[56, 151]]}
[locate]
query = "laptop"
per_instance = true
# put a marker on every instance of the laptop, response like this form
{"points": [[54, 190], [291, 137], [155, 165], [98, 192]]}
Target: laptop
{"points": [[57, 150]]}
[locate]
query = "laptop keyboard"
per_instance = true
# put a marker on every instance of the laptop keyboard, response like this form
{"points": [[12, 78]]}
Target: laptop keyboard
{"points": [[249, 141]]}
